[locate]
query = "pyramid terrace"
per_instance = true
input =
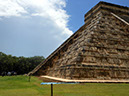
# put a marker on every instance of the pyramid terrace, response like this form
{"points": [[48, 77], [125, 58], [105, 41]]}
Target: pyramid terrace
{"points": [[99, 50]]}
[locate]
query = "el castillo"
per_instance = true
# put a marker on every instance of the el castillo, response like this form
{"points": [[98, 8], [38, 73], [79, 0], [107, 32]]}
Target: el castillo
{"points": [[99, 50]]}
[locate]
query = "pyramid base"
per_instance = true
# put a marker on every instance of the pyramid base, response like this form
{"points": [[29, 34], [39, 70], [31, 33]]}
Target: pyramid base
{"points": [[90, 73]]}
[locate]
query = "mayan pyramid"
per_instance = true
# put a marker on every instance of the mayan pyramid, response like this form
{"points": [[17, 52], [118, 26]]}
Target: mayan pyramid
{"points": [[98, 50]]}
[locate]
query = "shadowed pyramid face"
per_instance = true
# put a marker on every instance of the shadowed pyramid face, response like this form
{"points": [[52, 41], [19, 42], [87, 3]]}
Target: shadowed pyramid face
{"points": [[124, 17], [98, 50]]}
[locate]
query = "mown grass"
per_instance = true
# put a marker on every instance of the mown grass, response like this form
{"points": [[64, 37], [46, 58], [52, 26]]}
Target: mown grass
{"points": [[19, 86]]}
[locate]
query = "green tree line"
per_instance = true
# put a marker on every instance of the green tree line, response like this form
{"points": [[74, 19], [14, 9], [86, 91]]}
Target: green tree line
{"points": [[21, 65]]}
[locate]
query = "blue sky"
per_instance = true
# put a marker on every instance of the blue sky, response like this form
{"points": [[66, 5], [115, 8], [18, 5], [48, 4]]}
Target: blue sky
{"points": [[38, 27]]}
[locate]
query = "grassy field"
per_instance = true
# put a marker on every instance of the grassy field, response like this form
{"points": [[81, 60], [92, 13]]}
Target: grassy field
{"points": [[19, 86]]}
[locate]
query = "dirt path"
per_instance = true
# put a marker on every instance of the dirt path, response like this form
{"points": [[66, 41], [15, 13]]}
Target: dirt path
{"points": [[55, 79]]}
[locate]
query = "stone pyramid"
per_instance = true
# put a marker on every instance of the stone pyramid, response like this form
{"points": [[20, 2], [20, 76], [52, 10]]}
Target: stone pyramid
{"points": [[98, 50]]}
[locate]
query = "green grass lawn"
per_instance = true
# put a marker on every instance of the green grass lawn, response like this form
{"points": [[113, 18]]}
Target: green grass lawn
{"points": [[19, 86]]}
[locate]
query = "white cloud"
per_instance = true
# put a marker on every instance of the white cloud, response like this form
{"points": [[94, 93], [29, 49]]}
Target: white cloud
{"points": [[50, 9], [47, 18], [10, 8]]}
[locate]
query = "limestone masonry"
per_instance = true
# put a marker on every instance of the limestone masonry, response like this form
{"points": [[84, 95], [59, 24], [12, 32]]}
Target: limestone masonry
{"points": [[98, 50]]}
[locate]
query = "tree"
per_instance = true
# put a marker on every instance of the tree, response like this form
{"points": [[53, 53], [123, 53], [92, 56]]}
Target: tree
{"points": [[21, 65]]}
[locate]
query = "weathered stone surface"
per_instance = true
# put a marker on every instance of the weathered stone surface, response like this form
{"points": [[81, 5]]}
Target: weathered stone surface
{"points": [[98, 50]]}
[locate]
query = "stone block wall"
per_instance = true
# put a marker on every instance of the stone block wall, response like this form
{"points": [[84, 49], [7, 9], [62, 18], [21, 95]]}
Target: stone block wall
{"points": [[99, 50]]}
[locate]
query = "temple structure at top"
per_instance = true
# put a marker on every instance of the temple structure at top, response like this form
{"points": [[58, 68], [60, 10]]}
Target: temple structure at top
{"points": [[99, 50]]}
